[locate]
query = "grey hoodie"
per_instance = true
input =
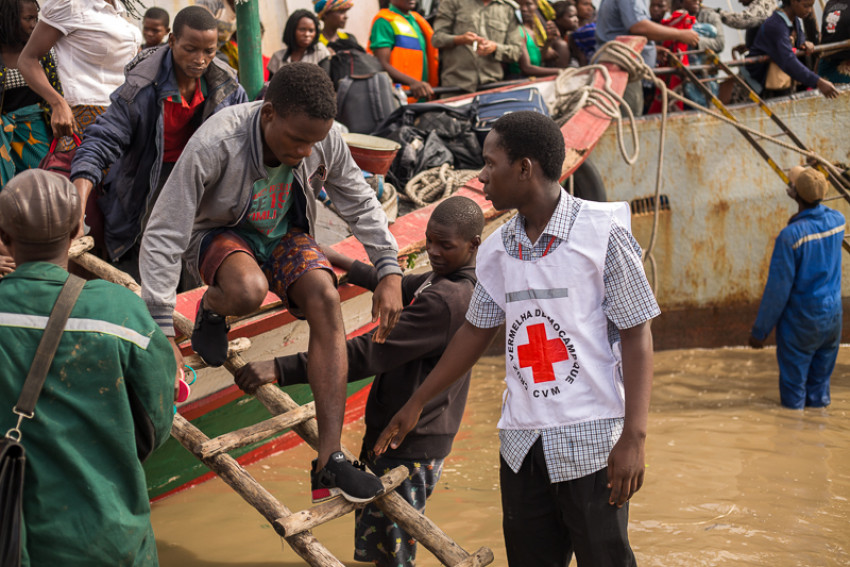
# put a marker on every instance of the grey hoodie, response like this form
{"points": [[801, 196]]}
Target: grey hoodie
{"points": [[211, 187]]}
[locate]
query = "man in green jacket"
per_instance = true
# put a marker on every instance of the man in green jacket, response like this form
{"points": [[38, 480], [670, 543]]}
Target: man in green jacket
{"points": [[475, 37], [106, 403]]}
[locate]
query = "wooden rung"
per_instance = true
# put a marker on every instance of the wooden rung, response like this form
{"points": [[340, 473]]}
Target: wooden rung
{"points": [[257, 432], [236, 346], [80, 245], [319, 514], [483, 556]]}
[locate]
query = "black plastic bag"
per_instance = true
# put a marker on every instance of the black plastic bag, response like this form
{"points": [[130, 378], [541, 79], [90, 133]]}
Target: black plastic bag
{"points": [[430, 135]]}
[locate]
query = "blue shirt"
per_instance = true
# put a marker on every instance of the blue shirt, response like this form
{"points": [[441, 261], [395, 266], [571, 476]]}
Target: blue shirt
{"points": [[616, 17], [805, 269]]}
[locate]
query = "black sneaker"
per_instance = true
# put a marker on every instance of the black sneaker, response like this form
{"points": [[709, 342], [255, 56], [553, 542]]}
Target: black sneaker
{"points": [[209, 337], [340, 476]]}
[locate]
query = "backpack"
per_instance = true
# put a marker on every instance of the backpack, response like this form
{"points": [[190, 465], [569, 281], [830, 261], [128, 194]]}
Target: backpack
{"points": [[363, 103], [360, 82]]}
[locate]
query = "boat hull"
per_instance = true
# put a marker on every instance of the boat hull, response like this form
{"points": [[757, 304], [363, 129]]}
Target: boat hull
{"points": [[726, 207]]}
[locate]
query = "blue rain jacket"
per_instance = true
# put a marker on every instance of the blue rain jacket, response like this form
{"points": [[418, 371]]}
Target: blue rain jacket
{"points": [[804, 283]]}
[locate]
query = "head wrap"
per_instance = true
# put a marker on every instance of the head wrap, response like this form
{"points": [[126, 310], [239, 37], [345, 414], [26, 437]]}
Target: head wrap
{"points": [[323, 7]]}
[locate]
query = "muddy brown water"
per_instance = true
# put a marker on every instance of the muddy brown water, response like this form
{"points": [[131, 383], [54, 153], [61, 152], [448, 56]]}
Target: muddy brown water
{"points": [[732, 478]]}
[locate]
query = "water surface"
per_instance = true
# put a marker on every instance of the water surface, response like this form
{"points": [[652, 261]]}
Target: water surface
{"points": [[732, 478]]}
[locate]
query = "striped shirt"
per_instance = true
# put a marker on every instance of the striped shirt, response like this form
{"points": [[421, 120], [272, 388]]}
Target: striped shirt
{"points": [[576, 450], [585, 39]]}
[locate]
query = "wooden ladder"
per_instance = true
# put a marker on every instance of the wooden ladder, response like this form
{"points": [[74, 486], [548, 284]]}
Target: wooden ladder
{"points": [[294, 527]]}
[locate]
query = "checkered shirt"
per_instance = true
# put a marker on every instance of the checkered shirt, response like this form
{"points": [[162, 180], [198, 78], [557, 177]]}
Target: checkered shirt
{"points": [[576, 450]]}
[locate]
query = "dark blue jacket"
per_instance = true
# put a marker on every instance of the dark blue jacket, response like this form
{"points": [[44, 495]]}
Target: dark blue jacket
{"points": [[773, 40], [128, 138], [805, 271]]}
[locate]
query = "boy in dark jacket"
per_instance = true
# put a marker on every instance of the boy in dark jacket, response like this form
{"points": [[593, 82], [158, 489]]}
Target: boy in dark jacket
{"points": [[168, 93], [435, 305]]}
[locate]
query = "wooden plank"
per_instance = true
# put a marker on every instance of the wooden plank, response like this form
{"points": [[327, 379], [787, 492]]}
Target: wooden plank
{"points": [[332, 509], [257, 432]]}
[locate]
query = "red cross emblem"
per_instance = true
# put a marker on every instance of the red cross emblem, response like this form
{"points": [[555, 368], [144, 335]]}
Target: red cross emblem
{"points": [[541, 353]]}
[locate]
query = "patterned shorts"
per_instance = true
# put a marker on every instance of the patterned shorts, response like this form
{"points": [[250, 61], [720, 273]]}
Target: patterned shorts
{"points": [[381, 541], [295, 255]]}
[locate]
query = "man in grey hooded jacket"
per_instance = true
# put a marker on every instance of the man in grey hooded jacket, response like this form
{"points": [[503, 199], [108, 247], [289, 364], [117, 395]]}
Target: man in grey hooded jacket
{"points": [[239, 207]]}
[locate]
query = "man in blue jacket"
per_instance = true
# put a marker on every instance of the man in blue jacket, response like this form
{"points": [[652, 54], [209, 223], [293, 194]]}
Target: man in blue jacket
{"points": [[802, 298], [167, 94]]}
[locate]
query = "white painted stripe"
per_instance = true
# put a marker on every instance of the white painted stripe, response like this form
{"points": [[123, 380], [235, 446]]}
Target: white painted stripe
{"points": [[818, 236], [76, 324]]}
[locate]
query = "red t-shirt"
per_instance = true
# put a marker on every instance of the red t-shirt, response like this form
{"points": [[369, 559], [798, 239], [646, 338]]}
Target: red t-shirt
{"points": [[176, 116]]}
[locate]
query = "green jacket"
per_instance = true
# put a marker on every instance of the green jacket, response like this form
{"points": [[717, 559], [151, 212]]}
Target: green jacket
{"points": [[497, 21], [107, 401]]}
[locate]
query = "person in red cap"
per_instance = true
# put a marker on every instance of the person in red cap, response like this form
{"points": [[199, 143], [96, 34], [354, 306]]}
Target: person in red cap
{"points": [[802, 298]]}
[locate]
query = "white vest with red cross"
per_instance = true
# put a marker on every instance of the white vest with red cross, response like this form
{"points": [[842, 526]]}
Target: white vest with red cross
{"points": [[560, 366]]}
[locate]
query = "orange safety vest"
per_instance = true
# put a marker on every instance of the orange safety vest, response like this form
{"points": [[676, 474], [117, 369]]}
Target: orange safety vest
{"points": [[406, 54]]}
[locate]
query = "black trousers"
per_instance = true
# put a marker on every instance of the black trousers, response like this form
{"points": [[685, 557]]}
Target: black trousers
{"points": [[545, 523]]}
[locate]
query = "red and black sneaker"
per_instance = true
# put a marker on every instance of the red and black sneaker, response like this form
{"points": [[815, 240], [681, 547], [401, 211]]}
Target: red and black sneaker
{"points": [[209, 337], [341, 477]]}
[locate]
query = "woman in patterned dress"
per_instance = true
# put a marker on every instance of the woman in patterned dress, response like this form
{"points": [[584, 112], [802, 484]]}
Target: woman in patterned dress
{"points": [[25, 133]]}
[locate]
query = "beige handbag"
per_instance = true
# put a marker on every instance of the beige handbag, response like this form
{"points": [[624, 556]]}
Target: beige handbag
{"points": [[777, 79]]}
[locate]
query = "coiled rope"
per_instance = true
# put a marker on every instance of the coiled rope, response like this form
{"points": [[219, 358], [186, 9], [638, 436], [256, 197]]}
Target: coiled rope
{"points": [[436, 183]]}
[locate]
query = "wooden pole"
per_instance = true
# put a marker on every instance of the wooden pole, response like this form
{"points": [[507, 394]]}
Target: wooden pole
{"points": [[107, 271], [478, 559], [332, 509], [231, 472], [79, 246]]}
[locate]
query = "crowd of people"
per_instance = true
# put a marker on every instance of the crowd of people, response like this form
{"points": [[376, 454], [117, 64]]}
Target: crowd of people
{"points": [[191, 183]]}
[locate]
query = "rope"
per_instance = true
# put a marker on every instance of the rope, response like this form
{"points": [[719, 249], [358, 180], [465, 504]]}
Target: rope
{"points": [[570, 101], [785, 145], [436, 183], [605, 99]]}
